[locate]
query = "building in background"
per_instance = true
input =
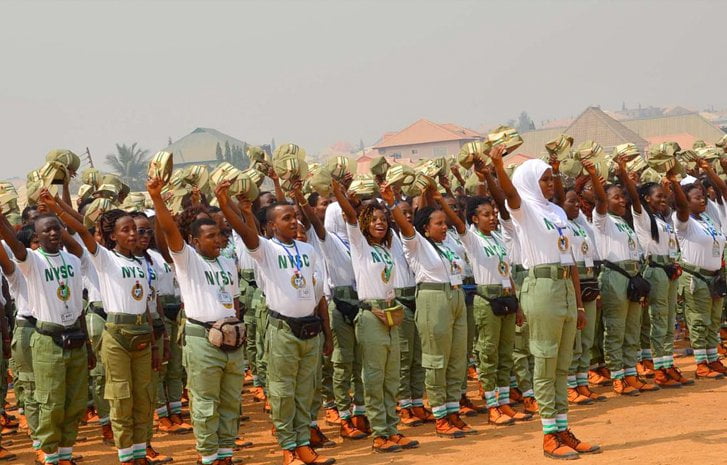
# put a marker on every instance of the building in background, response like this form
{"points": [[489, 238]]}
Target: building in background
{"points": [[425, 139], [209, 147]]}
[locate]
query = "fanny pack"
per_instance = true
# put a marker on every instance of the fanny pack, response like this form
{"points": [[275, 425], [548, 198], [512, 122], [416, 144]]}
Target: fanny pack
{"points": [[227, 334], [131, 337], [717, 287], [71, 338], [589, 290], [389, 316], [638, 288], [303, 328], [158, 327], [349, 311], [672, 270], [504, 305]]}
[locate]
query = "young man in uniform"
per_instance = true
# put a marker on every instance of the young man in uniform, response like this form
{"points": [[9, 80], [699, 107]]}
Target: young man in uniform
{"points": [[295, 321], [208, 283]]}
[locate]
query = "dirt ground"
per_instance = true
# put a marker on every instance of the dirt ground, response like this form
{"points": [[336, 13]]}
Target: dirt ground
{"points": [[679, 426]]}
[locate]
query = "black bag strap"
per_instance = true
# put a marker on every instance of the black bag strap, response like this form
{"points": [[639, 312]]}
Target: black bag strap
{"points": [[201, 323], [617, 269]]}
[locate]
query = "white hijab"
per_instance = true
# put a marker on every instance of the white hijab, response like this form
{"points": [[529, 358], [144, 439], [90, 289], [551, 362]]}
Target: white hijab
{"points": [[526, 180]]}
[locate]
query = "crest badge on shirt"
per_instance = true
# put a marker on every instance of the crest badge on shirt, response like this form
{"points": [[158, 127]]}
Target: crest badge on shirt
{"points": [[63, 292], [137, 291]]}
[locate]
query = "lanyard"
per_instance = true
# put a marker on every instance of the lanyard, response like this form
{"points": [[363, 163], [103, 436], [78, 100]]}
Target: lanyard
{"points": [[707, 226], [499, 249], [222, 270], [578, 229], [344, 242], [444, 252], [627, 228], [290, 256], [63, 288], [148, 271]]}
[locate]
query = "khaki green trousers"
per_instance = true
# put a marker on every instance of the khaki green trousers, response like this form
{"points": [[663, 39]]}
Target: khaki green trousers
{"points": [[292, 364], [261, 322], [411, 379], [214, 380], [317, 400], [662, 312], [584, 341], [346, 360], [61, 390], [597, 347], [496, 337], [550, 308], [129, 390], [24, 380], [621, 322], [247, 293], [702, 312], [441, 319], [379, 346], [523, 362], [95, 326], [171, 386], [156, 381], [471, 348]]}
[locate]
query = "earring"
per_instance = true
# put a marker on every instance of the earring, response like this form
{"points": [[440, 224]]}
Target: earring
{"points": [[426, 233]]}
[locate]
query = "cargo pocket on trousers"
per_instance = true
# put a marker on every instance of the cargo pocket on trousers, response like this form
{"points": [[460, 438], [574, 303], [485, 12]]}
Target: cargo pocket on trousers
{"points": [[42, 396], [202, 409], [117, 390], [432, 361], [544, 349]]}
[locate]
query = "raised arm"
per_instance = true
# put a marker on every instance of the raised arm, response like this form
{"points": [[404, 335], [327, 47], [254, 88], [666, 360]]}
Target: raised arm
{"points": [[716, 180], [601, 199], [349, 213], [308, 212], [7, 233], [164, 219], [451, 215], [88, 240], [511, 194], [161, 241], [629, 184], [496, 193], [559, 197], [246, 231], [6, 263], [279, 194], [71, 245], [387, 193], [680, 198]]}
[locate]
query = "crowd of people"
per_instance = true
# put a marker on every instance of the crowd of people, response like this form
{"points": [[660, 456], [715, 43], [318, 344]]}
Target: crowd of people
{"points": [[368, 301]]}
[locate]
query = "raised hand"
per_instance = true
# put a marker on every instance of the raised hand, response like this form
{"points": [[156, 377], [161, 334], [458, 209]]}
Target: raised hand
{"points": [[154, 187], [496, 154], [387, 193]]}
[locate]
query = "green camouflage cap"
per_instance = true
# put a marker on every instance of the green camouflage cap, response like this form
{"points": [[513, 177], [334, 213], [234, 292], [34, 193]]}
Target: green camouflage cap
{"points": [[263, 166], [54, 172], [628, 150], [223, 171], [709, 153], [507, 136], [14, 218], [636, 164], [244, 186], [651, 175], [85, 191], [95, 209], [34, 176], [66, 158], [379, 166], [364, 186], [91, 176], [256, 176], [722, 142], [588, 150], [471, 152], [161, 166], [197, 175], [471, 183], [338, 166], [8, 201], [571, 168], [289, 150], [560, 146], [134, 202], [698, 144], [400, 175], [108, 191], [663, 157], [255, 153], [320, 182]]}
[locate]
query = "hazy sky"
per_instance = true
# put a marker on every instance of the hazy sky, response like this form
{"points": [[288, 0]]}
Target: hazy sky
{"points": [[77, 74]]}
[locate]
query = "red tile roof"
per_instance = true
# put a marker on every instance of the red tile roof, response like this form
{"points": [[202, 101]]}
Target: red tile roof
{"points": [[684, 139], [425, 131]]}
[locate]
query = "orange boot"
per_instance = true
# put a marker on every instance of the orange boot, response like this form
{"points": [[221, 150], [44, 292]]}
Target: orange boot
{"points": [[457, 421], [407, 418], [153, 457], [530, 405], [382, 444], [405, 443], [645, 368], [332, 417], [621, 388], [662, 379], [466, 407], [107, 434], [167, 426], [445, 429], [570, 440], [554, 448], [498, 418], [423, 414], [704, 371], [289, 458], [575, 397], [514, 414], [307, 455], [472, 373], [676, 374], [318, 439], [349, 431], [515, 396], [635, 382], [586, 391], [361, 422], [718, 367], [181, 425]]}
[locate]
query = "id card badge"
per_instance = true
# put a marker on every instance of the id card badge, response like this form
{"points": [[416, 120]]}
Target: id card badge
{"points": [[505, 283], [224, 298], [589, 262], [305, 293], [67, 317], [566, 258], [390, 294], [455, 279], [715, 249]]}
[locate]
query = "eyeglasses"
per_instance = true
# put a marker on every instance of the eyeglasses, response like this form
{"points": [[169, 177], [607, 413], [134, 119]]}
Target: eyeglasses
{"points": [[145, 231]]}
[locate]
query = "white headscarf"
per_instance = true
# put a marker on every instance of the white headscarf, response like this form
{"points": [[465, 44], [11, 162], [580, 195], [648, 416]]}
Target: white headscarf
{"points": [[526, 180]]}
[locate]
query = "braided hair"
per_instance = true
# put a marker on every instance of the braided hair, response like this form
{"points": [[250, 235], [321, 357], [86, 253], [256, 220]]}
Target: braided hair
{"points": [[107, 223], [473, 203], [645, 191], [421, 220], [366, 217]]}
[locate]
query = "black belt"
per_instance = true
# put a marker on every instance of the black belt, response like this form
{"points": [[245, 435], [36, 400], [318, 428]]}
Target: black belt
{"points": [[26, 321], [98, 310], [200, 323]]}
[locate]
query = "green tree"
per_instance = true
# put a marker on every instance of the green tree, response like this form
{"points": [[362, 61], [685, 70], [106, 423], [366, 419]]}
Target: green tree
{"points": [[228, 152], [218, 152], [130, 163]]}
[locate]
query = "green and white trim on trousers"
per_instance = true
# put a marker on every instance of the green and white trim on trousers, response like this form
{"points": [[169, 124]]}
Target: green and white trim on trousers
{"points": [[703, 314], [662, 316], [411, 380]]}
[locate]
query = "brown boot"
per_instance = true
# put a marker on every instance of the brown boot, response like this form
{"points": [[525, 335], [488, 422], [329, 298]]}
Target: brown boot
{"points": [[91, 416], [498, 418], [318, 439], [570, 440], [704, 371], [718, 367], [6, 454], [22, 422], [349, 431], [530, 405], [407, 418], [241, 443], [107, 434], [662, 379], [258, 394], [289, 458], [40, 458], [635, 382], [514, 414], [165, 425], [457, 421], [596, 379], [155, 457], [722, 348], [361, 422], [574, 397], [586, 391], [645, 368], [471, 373], [332, 417], [676, 374], [466, 407], [553, 448], [382, 445], [605, 373], [515, 396], [310, 457], [405, 443], [181, 425], [423, 414], [8, 422], [444, 429], [621, 388]]}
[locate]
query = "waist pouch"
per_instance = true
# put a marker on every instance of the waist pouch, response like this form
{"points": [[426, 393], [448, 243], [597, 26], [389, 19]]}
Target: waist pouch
{"points": [[503, 305], [158, 327], [72, 338], [672, 270], [131, 337], [589, 290], [303, 328], [171, 311], [389, 316], [348, 310], [638, 288], [411, 304], [717, 287], [227, 334]]}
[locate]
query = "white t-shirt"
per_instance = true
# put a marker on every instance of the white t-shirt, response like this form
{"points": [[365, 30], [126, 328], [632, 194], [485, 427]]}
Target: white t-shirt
{"points": [[430, 266], [667, 245], [124, 282], [373, 265], [404, 276], [153, 280], [18, 288], [209, 287], [337, 255], [583, 222], [510, 238], [615, 239], [583, 245], [288, 273], [55, 286], [244, 259], [541, 241], [335, 223], [453, 242], [488, 255], [90, 276], [701, 242], [164, 272]]}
